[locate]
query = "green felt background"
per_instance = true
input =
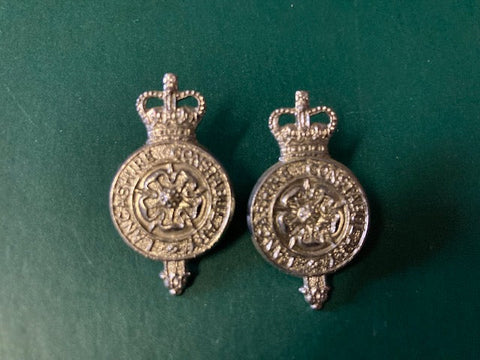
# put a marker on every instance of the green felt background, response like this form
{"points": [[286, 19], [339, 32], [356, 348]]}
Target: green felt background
{"points": [[404, 78]]}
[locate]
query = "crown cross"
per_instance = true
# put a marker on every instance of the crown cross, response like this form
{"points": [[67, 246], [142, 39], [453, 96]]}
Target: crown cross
{"points": [[302, 138], [170, 122]]}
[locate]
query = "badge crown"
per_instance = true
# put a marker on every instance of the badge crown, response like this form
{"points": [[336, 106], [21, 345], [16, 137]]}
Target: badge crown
{"points": [[169, 122], [302, 138]]}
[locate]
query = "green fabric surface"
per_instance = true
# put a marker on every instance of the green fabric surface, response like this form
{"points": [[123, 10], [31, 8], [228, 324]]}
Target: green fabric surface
{"points": [[404, 79]]}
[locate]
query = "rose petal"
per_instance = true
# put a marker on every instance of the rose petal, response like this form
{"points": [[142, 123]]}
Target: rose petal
{"points": [[152, 185], [164, 181]]}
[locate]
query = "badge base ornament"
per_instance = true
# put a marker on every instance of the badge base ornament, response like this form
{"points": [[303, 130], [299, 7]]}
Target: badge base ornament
{"points": [[308, 214], [171, 200]]}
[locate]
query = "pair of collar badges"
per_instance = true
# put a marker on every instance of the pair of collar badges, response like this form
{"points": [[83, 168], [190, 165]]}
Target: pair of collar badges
{"points": [[171, 200]]}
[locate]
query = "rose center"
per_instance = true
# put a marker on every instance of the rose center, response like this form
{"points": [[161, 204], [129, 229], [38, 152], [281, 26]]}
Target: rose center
{"points": [[170, 198], [304, 212]]}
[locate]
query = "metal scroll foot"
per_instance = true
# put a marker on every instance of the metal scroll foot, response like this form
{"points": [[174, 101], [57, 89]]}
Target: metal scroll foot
{"points": [[174, 276], [315, 290]]}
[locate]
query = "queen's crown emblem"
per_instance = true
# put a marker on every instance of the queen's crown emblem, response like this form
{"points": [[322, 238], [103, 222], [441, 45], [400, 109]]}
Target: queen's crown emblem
{"points": [[303, 138], [169, 122]]}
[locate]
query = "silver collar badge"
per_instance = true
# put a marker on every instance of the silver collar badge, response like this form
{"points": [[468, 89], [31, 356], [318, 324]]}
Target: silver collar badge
{"points": [[308, 214], [171, 200]]}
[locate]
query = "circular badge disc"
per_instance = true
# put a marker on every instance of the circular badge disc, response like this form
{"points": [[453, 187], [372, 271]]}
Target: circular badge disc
{"points": [[308, 217], [171, 201]]}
